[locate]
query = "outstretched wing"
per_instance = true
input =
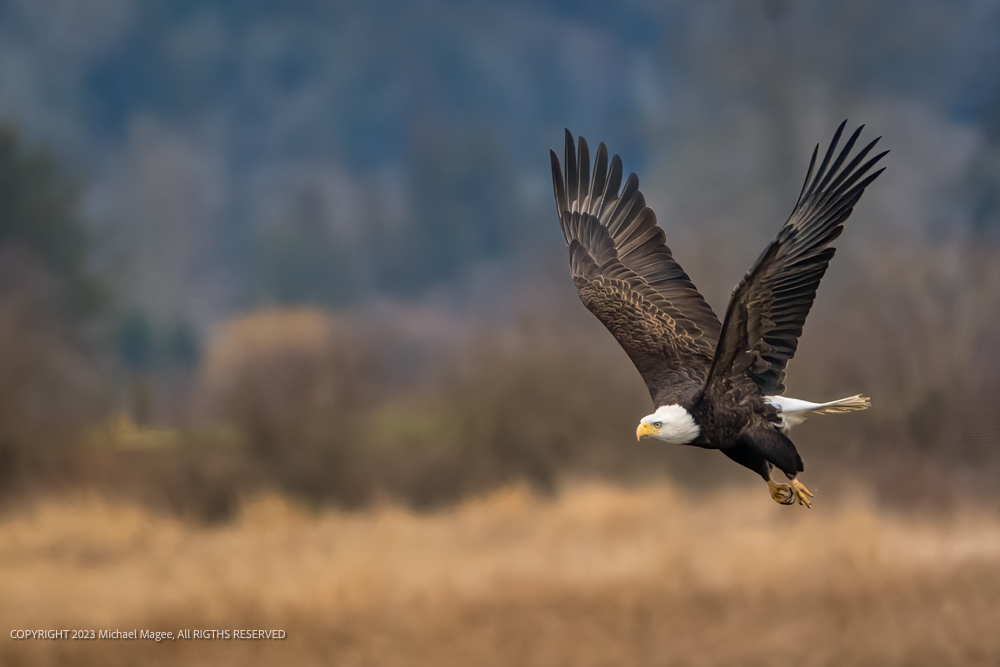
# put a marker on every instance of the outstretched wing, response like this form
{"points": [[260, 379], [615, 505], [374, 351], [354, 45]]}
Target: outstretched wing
{"points": [[769, 306], [627, 276]]}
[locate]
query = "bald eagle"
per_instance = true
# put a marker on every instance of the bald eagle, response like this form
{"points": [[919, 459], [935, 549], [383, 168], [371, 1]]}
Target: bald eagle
{"points": [[714, 385]]}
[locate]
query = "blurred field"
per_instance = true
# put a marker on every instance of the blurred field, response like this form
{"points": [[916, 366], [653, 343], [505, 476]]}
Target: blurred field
{"points": [[598, 575]]}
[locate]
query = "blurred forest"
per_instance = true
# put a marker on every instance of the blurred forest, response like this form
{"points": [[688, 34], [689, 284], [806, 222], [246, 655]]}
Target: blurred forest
{"points": [[288, 337], [311, 247]]}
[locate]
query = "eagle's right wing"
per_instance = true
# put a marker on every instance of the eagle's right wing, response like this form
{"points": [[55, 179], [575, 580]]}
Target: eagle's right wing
{"points": [[626, 275]]}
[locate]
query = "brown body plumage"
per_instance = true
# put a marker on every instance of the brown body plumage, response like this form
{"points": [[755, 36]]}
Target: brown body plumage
{"points": [[715, 385]]}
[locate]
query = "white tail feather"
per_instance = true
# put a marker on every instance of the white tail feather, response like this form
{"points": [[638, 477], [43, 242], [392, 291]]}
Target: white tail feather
{"points": [[794, 411], [849, 404]]}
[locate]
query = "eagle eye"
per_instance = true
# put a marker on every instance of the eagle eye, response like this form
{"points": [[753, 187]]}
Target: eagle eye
{"points": [[657, 424]]}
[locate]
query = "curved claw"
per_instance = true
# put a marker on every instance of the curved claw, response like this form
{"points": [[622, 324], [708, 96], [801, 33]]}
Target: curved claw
{"points": [[781, 493]]}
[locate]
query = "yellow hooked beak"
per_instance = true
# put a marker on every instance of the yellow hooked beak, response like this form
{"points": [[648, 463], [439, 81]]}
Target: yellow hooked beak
{"points": [[643, 430]]}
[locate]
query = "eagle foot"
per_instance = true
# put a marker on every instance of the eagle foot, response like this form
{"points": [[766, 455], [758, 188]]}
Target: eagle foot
{"points": [[802, 494], [782, 493], [789, 494]]}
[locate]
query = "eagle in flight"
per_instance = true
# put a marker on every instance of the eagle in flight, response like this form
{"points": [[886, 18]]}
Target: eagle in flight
{"points": [[714, 385]]}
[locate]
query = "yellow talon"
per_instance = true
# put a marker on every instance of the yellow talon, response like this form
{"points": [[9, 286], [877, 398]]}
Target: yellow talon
{"points": [[802, 494]]}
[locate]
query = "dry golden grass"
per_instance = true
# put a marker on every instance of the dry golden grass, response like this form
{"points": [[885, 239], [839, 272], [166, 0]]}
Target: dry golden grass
{"points": [[596, 576]]}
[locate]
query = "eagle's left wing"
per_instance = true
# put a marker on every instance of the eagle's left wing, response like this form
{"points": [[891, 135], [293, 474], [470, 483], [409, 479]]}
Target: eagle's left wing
{"points": [[769, 307]]}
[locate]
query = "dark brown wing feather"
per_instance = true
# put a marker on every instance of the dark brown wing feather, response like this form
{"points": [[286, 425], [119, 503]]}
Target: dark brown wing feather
{"points": [[769, 307], [628, 278]]}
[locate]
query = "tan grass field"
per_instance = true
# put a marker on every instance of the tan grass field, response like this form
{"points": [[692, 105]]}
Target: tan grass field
{"points": [[596, 576]]}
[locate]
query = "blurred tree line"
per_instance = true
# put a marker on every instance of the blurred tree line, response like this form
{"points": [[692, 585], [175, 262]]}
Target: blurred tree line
{"points": [[51, 307], [63, 337], [40, 220], [462, 209]]}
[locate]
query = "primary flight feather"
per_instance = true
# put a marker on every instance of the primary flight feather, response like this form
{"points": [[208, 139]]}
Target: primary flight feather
{"points": [[714, 385]]}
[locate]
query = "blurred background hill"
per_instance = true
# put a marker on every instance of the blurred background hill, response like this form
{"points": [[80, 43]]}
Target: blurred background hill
{"points": [[308, 249], [325, 153]]}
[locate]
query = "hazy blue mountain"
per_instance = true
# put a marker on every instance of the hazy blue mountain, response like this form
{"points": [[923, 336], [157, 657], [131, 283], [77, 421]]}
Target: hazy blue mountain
{"points": [[307, 151]]}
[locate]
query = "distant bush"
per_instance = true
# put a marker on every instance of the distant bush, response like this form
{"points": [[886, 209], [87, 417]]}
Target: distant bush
{"points": [[294, 384], [340, 409], [528, 410], [320, 415], [916, 331]]}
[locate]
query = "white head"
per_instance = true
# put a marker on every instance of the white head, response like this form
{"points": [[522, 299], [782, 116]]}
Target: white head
{"points": [[671, 423]]}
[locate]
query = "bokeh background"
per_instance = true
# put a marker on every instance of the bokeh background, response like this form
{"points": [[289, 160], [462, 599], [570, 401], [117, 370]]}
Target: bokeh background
{"points": [[288, 339]]}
